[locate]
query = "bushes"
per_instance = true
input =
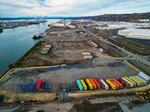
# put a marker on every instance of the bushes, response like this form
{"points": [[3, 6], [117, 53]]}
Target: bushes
{"points": [[2, 97]]}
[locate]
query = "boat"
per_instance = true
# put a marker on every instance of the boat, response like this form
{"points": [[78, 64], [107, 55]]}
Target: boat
{"points": [[1, 30], [37, 36]]}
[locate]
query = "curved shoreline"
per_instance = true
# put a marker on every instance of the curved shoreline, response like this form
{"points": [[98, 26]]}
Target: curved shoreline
{"points": [[20, 59]]}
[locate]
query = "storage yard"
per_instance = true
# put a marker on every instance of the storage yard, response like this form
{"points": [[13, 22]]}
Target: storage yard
{"points": [[72, 63], [65, 75]]}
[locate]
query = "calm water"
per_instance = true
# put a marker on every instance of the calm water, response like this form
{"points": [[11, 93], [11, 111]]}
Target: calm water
{"points": [[15, 42]]}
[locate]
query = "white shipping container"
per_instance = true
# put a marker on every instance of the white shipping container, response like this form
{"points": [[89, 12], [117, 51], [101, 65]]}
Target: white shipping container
{"points": [[145, 82], [101, 50], [131, 85], [146, 77], [135, 81], [106, 86], [88, 57]]}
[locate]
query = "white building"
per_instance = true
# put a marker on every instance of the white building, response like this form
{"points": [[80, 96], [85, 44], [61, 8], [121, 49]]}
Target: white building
{"points": [[135, 33]]}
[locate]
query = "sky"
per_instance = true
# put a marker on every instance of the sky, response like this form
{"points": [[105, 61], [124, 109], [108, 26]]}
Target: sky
{"points": [[71, 7]]}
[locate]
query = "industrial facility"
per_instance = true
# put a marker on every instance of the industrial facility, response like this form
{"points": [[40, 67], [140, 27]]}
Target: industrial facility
{"points": [[78, 62]]}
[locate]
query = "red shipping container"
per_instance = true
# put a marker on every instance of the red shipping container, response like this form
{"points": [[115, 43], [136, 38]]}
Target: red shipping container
{"points": [[97, 83], [102, 85], [125, 84], [39, 84], [120, 85]]}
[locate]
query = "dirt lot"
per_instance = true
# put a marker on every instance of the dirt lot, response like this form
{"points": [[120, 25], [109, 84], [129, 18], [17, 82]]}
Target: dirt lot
{"points": [[67, 47]]}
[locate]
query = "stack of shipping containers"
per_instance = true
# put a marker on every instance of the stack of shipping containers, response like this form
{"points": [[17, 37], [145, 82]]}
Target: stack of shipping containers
{"points": [[132, 81]]}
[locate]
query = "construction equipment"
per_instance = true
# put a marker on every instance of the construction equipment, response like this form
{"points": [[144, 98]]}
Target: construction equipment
{"points": [[142, 96]]}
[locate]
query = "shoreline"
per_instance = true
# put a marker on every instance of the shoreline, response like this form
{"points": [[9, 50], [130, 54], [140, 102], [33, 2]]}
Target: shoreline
{"points": [[15, 24], [30, 50], [11, 66]]}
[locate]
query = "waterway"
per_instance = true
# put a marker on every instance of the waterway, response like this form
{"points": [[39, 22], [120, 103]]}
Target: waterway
{"points": [[15, 42]]}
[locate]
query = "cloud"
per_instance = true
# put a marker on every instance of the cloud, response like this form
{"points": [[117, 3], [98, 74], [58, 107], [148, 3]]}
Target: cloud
{"points": [[13, 5], [71, 7]]}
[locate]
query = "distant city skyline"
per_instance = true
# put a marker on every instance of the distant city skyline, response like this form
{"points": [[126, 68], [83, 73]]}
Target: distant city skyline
{"points": [[71, 7]]}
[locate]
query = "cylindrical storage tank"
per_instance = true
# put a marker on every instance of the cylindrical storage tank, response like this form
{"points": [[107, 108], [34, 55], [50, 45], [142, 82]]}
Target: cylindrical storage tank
{"points": [[104, 83], [84, 85], [138, 83], [131, 85], [113, 86], [90, 86], [93, 83], [80, 85]]}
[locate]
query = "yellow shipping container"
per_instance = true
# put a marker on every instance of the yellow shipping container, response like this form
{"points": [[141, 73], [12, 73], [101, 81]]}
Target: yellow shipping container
{"points": [[130, 80], [84, 85], [139, 80], [111, 84], [89, 83]]}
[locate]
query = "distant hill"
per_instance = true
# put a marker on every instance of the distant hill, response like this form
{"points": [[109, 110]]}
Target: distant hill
{"points": [[45, 17], [122, 17]]}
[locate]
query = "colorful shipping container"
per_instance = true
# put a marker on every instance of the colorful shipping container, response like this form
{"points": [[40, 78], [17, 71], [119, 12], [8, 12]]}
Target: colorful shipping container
{"points": [[46, 49], [93, 83], [131, 85], [79, 85], [90, 86], [144, 76], [133, 78], [124, 83], [119, 84], [111, 84], [142, 80], [39, 84], [139, 80], [97, 83], [104, 83], [130, 80], [84, 85]]}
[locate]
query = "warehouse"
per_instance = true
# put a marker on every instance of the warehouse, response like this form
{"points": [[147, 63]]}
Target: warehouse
{"points": [[141, 34]]}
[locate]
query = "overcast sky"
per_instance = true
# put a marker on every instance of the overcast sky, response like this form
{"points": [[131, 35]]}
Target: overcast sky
{"points": [[71, 7]]}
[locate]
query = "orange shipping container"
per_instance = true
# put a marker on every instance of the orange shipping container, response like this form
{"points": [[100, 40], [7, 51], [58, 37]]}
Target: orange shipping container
{"points": [[93, 83], [120, 85], [117, 85], [97, 83]]}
